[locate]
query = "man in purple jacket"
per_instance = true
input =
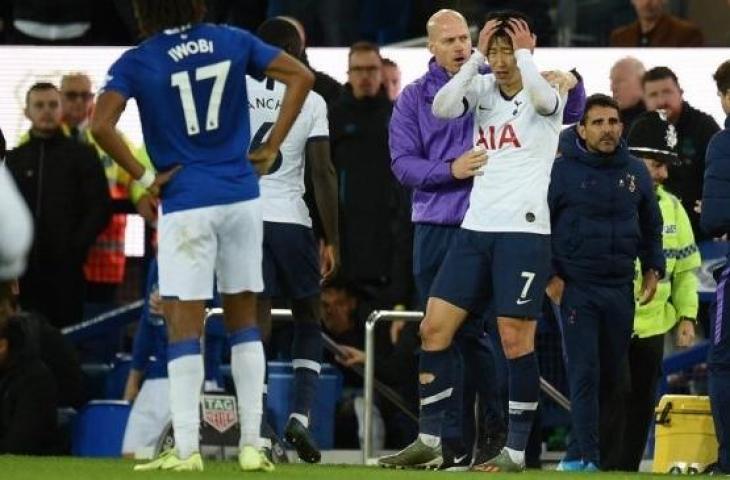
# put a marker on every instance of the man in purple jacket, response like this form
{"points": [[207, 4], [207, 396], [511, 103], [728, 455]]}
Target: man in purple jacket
{"points": [[436, 159]]}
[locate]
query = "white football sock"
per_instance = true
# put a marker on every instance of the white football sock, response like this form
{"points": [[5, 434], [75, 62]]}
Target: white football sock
{"points": [[186, 378], [248, 368], [516, 455], [430, 440], [303, 419]]}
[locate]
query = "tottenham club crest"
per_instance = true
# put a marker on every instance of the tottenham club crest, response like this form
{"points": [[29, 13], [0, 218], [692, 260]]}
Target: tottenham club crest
{"points": [[628, 182]]}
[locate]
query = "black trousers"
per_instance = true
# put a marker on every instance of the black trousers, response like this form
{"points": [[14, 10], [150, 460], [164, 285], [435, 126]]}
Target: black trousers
{"points": [[627, 414]]}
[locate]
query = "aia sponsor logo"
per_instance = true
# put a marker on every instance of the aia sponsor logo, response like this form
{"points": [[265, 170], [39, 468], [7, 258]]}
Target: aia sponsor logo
{"points": [[493, 138]]}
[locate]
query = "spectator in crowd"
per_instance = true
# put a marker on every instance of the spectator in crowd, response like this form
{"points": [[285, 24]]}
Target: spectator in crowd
{"points": [[52, 347], [604, 214], [63, 184], [694, 130], [374, 226], [626, 87], [656, 28], [391, 78], [674, 306], [105, 264], [28, 400], [715, 221], [397, 368], [16, 234], [346, 310], [435, 160]]}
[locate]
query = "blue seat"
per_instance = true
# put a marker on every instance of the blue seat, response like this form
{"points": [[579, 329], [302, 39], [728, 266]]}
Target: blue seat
{"points": [[98, 429], [116, 380]]}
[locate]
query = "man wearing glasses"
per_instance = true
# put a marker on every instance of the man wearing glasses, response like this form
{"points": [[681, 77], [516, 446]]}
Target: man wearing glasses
{"points": [[104, 267], [374, 225]]}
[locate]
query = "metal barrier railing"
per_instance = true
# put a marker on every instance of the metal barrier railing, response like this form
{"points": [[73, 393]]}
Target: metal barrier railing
{"points": [[408, 316], [369, 375], [372, 320], [116, 318]]}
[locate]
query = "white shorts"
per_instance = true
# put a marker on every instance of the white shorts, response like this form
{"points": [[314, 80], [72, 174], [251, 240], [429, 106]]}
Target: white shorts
{"points": [[149, 416], [223, 240]]}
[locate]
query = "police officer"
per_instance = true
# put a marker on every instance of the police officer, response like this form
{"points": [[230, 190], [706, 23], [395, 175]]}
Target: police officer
{"points": [[674, 307]]}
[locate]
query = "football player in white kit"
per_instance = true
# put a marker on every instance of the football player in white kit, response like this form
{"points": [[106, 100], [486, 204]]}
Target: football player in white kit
{"points": [[502, 251], [291, 259]]}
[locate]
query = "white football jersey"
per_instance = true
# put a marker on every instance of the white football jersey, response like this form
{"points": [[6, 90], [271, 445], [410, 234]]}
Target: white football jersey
{"points": [[511, 195], [282, 189]]}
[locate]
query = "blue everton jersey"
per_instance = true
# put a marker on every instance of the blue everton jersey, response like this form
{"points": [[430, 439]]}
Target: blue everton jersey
{"points": [[190, 88]]}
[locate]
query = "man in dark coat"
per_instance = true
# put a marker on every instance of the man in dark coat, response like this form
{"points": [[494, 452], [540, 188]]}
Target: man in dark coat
{"points": [[64, 186]]}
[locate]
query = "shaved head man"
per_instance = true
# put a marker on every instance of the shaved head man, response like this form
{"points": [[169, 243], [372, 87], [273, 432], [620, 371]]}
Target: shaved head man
{"points": [[626, 86], [627, 89], [449, 40]]}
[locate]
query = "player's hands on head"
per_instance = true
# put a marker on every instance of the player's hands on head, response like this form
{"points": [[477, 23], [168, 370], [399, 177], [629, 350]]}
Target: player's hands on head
{"points": [[519, 32], [485, 35], [161, 179], [469, 164], [263, 157]]}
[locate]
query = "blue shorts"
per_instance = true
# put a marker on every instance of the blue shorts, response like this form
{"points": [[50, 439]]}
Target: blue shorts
{"points": [[431, 243], [509, 268], [291, 261]]}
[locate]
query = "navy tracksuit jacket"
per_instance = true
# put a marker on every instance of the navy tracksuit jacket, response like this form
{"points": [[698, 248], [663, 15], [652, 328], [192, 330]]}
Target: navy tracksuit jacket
{"points": [[604, 214], [715, 220]]}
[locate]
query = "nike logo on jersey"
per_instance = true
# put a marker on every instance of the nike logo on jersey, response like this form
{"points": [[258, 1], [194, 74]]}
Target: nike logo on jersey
{"points": [[482, 108], [523, 302]]}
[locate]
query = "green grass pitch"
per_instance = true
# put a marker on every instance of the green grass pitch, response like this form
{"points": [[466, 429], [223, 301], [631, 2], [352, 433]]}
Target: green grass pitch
{"points": [[71, 468]]}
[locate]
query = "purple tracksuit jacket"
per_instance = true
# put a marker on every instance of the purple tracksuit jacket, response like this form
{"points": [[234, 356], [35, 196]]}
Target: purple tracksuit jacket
{"points": [[422, 148]]}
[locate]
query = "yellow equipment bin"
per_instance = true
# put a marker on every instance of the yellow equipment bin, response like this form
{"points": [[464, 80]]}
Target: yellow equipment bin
{"points": [[684, 433]]}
